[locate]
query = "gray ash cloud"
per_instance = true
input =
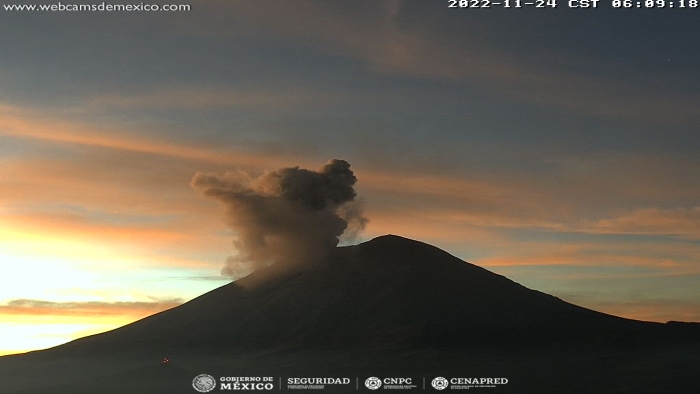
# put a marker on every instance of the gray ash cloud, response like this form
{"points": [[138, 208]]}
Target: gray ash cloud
{"points": [[289, 216]]}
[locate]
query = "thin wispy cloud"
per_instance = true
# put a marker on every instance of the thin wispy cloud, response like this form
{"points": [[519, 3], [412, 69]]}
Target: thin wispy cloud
{"points": [[86, 308]]}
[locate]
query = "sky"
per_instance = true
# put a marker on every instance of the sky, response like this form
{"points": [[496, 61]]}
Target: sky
{"points": [[556, 146]]}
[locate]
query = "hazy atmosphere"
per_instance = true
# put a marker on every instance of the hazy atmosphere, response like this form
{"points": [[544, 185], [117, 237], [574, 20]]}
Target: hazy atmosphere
{"points": [[558, 147]]}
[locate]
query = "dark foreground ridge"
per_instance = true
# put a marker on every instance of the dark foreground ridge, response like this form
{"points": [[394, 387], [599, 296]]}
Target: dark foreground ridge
{"points": [[388, 305]]}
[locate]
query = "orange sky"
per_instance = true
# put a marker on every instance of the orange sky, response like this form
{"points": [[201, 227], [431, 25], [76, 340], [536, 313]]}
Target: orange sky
{"points": [[567, 162]]}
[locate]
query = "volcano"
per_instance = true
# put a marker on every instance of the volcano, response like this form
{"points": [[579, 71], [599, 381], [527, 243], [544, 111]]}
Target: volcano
{"points": [[388, 306]]}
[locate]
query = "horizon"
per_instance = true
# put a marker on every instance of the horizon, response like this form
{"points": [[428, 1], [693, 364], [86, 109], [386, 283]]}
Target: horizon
{"points": [[556, 147]]}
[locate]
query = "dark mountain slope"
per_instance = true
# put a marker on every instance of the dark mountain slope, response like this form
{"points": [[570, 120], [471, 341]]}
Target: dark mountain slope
{"points": [[387, 306], [389, 291]]}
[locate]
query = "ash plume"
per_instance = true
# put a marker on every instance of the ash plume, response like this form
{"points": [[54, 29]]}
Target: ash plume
{"points": [[289, 216]]}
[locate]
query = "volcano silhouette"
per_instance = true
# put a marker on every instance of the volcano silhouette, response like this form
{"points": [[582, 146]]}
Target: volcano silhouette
{"points": [[392, 304]]}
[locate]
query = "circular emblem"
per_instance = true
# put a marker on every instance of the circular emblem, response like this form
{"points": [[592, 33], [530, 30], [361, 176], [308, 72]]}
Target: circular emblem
{"points": [[440, 383], [373, 383], [204, 383]]}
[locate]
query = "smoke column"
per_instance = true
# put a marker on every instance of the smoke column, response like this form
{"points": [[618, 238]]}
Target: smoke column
{"points": [[289, 216]]}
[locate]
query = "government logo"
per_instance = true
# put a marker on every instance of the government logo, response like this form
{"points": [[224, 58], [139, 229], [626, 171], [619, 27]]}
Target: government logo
{"points": [[440, 383], [373, 383], [204, 383]]}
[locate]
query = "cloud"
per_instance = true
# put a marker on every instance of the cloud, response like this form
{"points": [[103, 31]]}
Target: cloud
{"points": [[28, 124], [90, 308], [658, 310], [395, 38], [681, 222], [289, 216], [600, 257], [209, 99]]}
